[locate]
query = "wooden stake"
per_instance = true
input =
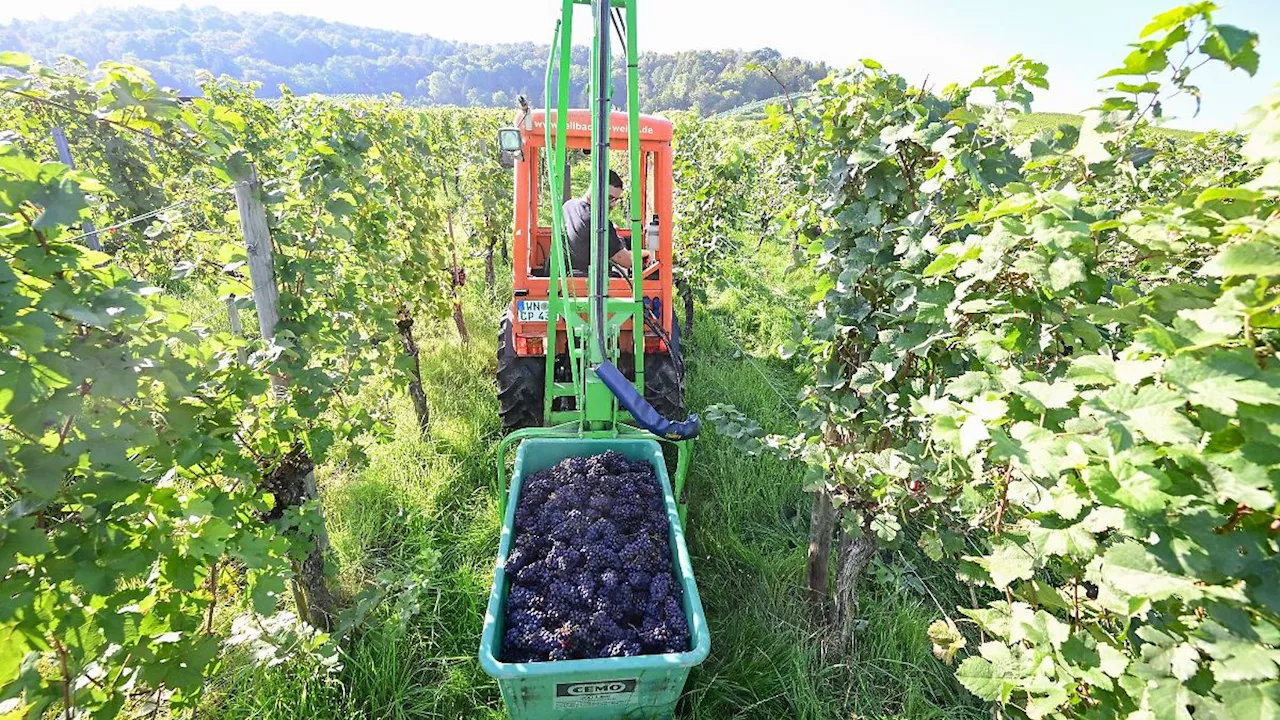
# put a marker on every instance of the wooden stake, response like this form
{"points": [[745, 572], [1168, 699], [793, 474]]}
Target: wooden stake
{"points": [[233, 317], [262, 273], [294, 481], [64, 156]]}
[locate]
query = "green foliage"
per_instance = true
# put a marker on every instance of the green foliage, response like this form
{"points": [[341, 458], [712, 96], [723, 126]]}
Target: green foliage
{"points": [[484, 188], [729, 183], [474, 189], [125, 486], [711, 175], [1053, 358], [138, 446]]}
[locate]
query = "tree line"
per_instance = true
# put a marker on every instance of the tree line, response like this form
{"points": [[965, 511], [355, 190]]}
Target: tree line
{"points": [[312, 55]]}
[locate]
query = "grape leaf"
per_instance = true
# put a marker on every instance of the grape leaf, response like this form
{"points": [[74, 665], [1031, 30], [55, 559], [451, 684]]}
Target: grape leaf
{"points": [[1235, 658], [994, 676], [1222, 379], [1174, 17], [1008, 562], [1251, 701], [1236, 47], [1127, 571], [1065, 272], [1073, 541], [1255, 257], [1150, 412]]}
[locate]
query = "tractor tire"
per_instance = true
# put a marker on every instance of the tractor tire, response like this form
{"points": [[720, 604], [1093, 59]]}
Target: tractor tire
{"points": [[663, 379], [521, 382]]}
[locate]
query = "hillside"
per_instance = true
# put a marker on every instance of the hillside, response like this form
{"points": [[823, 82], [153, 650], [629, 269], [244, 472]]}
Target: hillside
{"points": [[312, 55]]}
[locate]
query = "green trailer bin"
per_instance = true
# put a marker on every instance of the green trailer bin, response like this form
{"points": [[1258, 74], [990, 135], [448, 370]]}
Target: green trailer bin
{"points": [[644, 687]]}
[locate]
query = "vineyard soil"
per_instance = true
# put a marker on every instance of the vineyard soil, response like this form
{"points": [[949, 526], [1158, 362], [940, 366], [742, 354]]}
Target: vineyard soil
{"points": [[426, 507]]}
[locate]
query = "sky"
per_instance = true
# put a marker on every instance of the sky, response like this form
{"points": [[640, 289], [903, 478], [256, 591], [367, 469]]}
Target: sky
{"points": [[942, 40]]}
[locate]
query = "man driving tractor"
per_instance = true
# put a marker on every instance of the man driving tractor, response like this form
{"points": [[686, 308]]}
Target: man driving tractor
{"points": [[577, 226], [537, 348]]}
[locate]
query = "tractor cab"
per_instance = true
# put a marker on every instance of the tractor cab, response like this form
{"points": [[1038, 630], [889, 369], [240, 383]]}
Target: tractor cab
{"points": [[524, 327], [532, 222], [532, 197]]}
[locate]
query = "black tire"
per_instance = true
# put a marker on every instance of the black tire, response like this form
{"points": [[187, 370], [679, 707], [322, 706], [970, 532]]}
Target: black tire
{"points": [[664, 378], [521, 385]]}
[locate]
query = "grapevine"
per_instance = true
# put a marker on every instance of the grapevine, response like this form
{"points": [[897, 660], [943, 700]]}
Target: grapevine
{"points": [[153, 474], [1051, 359]]}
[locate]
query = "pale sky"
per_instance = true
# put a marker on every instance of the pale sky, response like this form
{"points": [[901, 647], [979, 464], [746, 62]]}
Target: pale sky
{"points": [[945, 40]]}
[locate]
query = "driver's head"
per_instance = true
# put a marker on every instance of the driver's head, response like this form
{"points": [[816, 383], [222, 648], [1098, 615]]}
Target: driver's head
{"points": [[615, 188]]}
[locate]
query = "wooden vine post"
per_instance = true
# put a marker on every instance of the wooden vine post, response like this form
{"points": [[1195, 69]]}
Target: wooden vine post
{"points": [[233, 319], [292, 481], [822, 527], [822, 523], [262, 273], [64, 156]]}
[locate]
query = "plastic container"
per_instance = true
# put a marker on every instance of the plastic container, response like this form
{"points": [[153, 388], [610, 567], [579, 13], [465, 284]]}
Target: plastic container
{"points": [[644, 687], [651, 236]]}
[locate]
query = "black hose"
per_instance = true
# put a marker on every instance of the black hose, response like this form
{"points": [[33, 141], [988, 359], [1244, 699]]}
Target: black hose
{"points": [[618, 25], [654, 323]]}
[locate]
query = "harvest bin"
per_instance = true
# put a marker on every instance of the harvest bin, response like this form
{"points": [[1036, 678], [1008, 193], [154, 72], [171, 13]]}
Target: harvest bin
{"points": [[641, 687]]}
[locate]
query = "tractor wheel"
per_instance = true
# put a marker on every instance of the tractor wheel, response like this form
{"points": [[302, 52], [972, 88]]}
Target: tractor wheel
{"points": [[521, 385], [663, 379]]}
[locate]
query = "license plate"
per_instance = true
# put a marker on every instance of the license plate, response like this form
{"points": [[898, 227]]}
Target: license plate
{"points": [[532, 310]]}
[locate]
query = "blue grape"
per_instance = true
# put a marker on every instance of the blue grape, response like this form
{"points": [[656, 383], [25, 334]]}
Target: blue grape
{"points": [[660, 588], [590, 568], [622, 648]]}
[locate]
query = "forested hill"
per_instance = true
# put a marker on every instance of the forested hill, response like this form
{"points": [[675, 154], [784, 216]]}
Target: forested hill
{"points": [[312, 55]]}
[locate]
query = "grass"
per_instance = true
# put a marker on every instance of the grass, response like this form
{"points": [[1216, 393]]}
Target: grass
{"points": [[424, 510]]}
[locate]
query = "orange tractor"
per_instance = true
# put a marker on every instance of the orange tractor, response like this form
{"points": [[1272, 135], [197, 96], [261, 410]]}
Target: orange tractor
{"points": [[538, 379]]}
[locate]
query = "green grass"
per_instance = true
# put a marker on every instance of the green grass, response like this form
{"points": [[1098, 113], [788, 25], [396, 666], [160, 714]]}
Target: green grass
{"points": [[426, 508]]}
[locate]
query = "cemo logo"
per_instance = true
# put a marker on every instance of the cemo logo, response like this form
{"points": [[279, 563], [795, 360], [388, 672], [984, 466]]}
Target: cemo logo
{"points": [[603, 688]]}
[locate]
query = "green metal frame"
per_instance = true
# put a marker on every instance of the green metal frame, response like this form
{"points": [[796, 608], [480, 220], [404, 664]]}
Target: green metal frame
{"points": [[597, 414], [596, 407]]}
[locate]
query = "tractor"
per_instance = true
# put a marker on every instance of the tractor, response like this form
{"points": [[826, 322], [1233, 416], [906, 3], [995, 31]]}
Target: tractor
{"points": [[589, 355], [535, 386], [593, 350]]}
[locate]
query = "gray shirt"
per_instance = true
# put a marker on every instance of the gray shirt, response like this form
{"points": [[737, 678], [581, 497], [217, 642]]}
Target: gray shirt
{"points": [[577, 226]]}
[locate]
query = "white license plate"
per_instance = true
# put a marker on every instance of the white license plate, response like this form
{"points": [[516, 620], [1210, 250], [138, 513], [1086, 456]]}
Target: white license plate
{"points": [[532, 310]]}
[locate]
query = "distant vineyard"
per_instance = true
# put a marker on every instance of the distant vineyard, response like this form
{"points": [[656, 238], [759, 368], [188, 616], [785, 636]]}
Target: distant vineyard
{"points": [[1031, 123]]}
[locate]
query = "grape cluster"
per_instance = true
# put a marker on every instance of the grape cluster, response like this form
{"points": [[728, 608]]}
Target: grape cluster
{"points": [[590, 570]]}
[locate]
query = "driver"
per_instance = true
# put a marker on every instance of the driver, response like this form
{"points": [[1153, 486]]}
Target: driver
{"points": [[577, 226]]}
